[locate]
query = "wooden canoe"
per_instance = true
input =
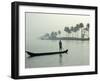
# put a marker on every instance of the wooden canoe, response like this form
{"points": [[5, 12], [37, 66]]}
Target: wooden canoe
{"points": [[47, 53]]}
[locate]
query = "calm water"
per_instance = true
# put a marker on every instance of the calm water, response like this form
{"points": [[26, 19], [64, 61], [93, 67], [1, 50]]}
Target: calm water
{"points": [[78, 53]]}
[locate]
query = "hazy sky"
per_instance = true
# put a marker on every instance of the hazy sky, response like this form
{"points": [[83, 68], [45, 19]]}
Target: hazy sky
{"points": [[38, 24]]}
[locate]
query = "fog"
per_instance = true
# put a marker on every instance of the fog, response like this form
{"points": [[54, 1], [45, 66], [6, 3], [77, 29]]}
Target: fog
{"points": [[38, 24]]}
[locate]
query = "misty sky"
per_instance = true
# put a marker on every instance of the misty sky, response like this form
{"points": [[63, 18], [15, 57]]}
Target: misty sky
{"points": [[38, 24]]}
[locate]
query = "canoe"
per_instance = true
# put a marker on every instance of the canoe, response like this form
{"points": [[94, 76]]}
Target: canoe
{"points": [[48, 53]]}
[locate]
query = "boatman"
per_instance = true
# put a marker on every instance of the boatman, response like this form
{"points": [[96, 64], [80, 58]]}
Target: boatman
{"points": [[60, 45]]}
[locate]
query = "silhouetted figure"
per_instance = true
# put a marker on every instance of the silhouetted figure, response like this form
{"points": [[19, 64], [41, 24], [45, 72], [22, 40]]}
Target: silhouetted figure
{"points": [[60, 45]]}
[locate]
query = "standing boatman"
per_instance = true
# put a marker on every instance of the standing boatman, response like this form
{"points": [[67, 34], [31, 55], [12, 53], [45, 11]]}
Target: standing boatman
{"points": [[60, 45]]}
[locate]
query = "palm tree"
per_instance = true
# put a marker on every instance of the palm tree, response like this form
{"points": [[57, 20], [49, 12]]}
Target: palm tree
{"points": [[87, 28], [59, 32], [46, 35], [81, 25], [53, 34], [75, 30], [69, 32], [72, 30], [66, 29], [78, 26]]}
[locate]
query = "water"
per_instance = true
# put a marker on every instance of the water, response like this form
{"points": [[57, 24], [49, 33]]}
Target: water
{"points": [[78, 53]]}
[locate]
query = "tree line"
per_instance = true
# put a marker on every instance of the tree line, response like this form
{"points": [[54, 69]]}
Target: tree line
{"points": [[71, 31]]}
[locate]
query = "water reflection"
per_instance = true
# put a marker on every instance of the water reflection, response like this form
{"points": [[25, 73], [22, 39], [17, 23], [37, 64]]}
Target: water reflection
{"points": [[60, 59], [78, 54]]}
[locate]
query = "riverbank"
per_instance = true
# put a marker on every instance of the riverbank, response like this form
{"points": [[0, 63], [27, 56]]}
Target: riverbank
{"points": [[66, 38]]}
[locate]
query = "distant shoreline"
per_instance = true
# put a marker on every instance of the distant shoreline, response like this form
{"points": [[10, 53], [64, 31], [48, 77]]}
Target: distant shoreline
{"points": [[65, 38]]}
